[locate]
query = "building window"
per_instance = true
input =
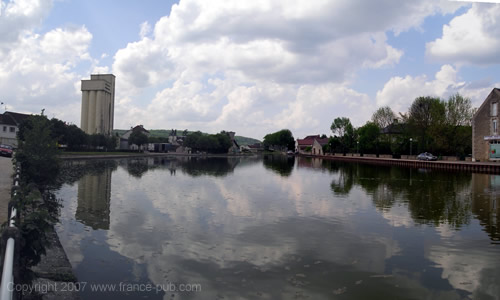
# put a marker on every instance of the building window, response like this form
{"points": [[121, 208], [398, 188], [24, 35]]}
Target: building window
{"points": [[13, 129], [5, 129], [494, 109], [495, 127]]}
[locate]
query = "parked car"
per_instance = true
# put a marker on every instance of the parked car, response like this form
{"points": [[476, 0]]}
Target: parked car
{"points": [[6, 150], [426, 156]]}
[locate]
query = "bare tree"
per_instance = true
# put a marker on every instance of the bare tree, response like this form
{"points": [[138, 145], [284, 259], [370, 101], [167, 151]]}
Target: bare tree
{"points": [[459, 111], [383, 117]]}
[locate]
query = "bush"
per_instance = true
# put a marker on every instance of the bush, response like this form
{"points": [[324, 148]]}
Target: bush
{"points": [[37, 151]]}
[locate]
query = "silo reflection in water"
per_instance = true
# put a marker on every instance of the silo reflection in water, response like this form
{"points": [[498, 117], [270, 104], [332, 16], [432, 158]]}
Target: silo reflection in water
{"points": [[94, 194]]}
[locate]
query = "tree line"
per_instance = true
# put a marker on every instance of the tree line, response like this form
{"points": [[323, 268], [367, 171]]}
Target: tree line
{"points": [[282, 139], [431, 124], [211, 143], [70, 135]]}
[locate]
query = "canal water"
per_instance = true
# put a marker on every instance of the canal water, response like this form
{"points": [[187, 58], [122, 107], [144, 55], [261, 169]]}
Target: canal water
{"points": [[278, 228]]}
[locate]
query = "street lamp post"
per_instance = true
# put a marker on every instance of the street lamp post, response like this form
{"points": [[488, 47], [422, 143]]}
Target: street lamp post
{"points": [[411, 140], [357, 146]]}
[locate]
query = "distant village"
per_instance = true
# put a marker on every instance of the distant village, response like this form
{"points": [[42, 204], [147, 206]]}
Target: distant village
{"points": [[178, 142]]}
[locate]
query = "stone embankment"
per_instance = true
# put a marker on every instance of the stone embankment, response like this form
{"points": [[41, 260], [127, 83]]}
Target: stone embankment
{"points": [[480, 167], [54, 273], [5, 186]]}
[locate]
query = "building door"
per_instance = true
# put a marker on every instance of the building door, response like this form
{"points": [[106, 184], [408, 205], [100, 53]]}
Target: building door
{"points": [[495, 149]]}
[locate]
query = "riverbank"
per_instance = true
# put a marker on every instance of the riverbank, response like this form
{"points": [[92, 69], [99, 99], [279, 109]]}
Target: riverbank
{"points": [[479, 167], [104, 155], [54, 273]]}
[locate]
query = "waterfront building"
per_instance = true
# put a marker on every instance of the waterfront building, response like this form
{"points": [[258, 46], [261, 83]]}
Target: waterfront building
{"points": [[312, 142], [485, 132], [98, 104]]}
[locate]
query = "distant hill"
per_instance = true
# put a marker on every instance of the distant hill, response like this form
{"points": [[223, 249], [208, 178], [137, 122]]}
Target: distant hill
{"points": [[241, 140]]}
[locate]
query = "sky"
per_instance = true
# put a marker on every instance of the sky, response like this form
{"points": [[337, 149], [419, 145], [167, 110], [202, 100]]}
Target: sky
{"points": [[253, 67]]}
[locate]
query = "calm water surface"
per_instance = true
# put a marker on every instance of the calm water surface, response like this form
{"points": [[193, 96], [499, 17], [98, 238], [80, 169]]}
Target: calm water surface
{"points": [[280, 228]]}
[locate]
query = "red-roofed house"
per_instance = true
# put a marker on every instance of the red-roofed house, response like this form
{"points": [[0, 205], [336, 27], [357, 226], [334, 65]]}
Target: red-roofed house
{"points": [[314, 142]]}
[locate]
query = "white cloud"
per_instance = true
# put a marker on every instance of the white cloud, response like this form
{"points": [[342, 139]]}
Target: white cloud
{"points": [[399, 92], [38, 72], [473, 37], [19, 16], [145, 29], [140, 64], [249, 66], [240, 65]]}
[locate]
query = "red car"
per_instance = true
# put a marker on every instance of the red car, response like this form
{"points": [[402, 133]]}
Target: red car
{"points": [[5, 150]]}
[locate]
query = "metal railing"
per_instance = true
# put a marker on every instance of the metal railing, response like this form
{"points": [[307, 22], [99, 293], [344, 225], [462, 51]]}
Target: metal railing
{"points": [[7, 284]]}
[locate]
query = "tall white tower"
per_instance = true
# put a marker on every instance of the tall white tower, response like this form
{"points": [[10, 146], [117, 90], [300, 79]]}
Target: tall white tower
{"points": [[98, 104]]}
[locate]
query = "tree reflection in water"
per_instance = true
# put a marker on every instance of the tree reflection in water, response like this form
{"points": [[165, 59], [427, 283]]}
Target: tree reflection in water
{"points": [[432, 197], [279, 164], [213, 166]]}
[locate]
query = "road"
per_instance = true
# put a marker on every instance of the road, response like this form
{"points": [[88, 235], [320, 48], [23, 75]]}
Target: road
{"points": [[6, 171]]}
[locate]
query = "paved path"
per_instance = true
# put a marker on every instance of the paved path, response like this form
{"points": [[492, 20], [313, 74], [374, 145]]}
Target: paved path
{"points": [[6, 171]]}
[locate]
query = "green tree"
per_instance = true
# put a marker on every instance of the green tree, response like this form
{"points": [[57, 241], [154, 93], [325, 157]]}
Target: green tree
{"points": [[211, 143], [111, 142], [334, 144], [223, 142], [282, 138], [383, 117], [458, 133], [459, 111], [426, 117], [37, 151], [137, 138], [58, 131], [369, 138], [343, 129], [75, 137]]}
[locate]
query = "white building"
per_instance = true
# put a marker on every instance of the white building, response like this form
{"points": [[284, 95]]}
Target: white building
{"points": [[9, 126], [125, 145], [98, 104]]}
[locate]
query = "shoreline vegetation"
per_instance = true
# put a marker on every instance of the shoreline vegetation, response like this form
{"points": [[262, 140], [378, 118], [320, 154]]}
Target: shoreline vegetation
{"points": [[115, 154], [40, 254]]}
